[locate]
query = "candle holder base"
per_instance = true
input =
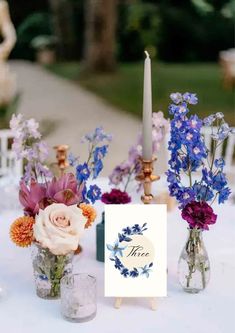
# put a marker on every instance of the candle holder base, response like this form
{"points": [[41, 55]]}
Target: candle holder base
{"points": [[146, 177]]}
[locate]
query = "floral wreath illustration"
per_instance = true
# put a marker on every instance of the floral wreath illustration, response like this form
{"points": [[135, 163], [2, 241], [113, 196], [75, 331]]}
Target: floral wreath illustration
{"points": [[117, 248]]}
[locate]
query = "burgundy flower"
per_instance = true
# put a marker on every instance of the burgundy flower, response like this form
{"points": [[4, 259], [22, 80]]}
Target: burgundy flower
{"points": [[199, 215], [115, 197]]}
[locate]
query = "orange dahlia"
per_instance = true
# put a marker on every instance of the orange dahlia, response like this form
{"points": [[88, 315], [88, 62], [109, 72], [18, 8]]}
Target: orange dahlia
{"points": [[89, 212], [21, 231]]}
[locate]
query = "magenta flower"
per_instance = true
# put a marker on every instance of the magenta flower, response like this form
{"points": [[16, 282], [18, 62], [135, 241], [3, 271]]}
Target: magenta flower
{"points": [[199, 215], [63, 190], [32, 196], [115, 197]]}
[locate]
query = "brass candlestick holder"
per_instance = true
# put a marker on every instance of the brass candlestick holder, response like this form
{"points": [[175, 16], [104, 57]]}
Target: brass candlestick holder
{"points": [[146, 177], [61, 156]]}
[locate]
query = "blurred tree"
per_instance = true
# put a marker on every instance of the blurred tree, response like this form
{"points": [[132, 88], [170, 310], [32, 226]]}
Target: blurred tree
{"points": [[100, 17], [137, 30], [63, 26], [193, 30], [35, 24], [217, 4], [20, 11]]}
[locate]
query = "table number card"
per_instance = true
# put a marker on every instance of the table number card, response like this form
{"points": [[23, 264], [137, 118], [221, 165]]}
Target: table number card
{"points": [[135, 251]]}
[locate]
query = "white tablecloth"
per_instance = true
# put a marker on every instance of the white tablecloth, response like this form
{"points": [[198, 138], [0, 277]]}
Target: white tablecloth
{"points": [[21, 311]]}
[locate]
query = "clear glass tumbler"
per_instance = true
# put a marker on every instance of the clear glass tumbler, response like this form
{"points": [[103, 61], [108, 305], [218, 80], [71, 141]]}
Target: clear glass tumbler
{"points": [[78, 297]]}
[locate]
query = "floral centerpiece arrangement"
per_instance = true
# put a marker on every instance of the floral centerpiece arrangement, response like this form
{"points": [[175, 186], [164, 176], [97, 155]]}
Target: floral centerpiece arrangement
{"points": [[56, 210], [196, 179]]}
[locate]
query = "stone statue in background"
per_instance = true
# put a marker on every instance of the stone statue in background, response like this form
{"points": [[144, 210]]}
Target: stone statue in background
{"points": [[7, 79], [7, 31]]}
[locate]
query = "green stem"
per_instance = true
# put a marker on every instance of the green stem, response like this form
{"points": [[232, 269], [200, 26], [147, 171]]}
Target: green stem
{"points": [[202, 267], [129, 178], [57, 271], [191, 266]]}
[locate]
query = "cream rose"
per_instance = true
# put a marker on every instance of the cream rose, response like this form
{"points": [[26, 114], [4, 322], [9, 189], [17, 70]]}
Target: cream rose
{"points": [[59, 227]]}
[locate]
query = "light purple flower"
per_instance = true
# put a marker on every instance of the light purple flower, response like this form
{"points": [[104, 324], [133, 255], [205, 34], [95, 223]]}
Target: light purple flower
{"points": [[15, 122], [176, 97], [208, 121], [97, 136], [32, 127], [126, 171], [43, 150], [72, 160], [190, 98], [219, 115], [27, 145]]}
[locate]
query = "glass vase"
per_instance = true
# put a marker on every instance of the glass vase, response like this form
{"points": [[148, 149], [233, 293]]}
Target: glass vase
{"points": [[49, 269], [194, 265]]}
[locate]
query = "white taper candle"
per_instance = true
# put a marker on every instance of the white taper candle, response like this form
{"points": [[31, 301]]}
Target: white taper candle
{"points": [[147, 110]]}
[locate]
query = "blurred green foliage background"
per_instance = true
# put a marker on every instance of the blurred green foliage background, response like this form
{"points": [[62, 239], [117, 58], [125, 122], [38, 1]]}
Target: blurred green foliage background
{"points": [[174, 30]]}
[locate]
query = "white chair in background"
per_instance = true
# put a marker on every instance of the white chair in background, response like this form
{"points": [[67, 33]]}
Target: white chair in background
{"points": [[10, 167]]}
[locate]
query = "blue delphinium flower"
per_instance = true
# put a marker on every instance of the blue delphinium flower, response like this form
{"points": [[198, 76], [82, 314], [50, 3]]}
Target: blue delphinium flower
{"points": [[189, 153], [195, 123], [185, 196], [179, 110], [176, 97], [97, 168], [224, 131], [174, 189], [220, 163], [172, 109], [190, 98], [94, 193], [100, 152], [197, 151], [207, 176], [97, 136], [202, 192], [172, 176], [175, 162], [82, 172], [72, 159], [208, 121], [219, 181], [84, 194], [224, 195]]}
